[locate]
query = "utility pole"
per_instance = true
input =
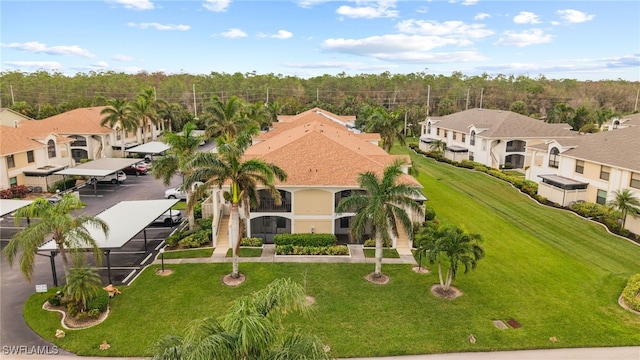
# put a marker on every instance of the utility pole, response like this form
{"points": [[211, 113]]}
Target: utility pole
{"points": [[481, 94], [195, 106], [635, 108], [467, 105], [428, 97], [13, 101], [405, 124]]}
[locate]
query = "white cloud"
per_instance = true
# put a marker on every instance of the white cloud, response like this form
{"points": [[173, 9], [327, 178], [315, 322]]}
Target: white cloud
{"points": [[574, 16], [469, 2], [282, 34], [100, 64], [447, 28], [310, 3], [380, 9], [569, 65], [525, 38], [123, 58], [481, 16], [46, 65], [341, 65], [216, 5], [136, 4], [526, 17], [158, 26], [37, 47], [233, 33]]}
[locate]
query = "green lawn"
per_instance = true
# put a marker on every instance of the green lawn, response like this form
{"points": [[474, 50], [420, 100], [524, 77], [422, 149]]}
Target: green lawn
{"points": [[246, 252], [386, 253], [190, 253], [556, 274]]}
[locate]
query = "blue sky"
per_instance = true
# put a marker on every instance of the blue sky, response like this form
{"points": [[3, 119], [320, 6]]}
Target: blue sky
{"points": [[583, 40]]}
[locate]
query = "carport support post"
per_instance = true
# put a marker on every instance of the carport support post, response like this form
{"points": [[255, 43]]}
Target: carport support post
{"points": [[144, 232], [108, 253]]}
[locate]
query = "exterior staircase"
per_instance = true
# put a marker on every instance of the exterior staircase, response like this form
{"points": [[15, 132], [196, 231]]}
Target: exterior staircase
{"points": [[223, 237], [402, 243]]}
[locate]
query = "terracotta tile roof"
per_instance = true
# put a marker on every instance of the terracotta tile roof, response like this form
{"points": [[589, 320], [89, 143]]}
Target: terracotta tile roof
{"points": [[78, 121], [16, 140], [317, 153], [502, 124]]}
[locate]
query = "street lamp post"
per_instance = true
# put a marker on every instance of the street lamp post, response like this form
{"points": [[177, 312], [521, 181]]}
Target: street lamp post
{"points": [[162, 258]]}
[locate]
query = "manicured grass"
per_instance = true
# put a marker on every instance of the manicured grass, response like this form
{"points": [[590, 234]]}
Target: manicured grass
{"points": [[386, 253], [555, 273], [187, 254], [246, 252], [181, 205]]}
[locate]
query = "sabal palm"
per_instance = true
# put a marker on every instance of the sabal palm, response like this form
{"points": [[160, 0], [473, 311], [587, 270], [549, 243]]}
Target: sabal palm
{"points": [[625, 201], [118, 113], [251, 329], [227, 119], [383, 206], [228, 168], [438, 146], [184, 147], [389, 125], [146, 108], [69, 231], [82, 284], [457, 246], [172, 114]]}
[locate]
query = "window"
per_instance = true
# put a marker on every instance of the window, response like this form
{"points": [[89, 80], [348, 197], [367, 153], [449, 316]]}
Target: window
{"points": [[635, 180], [79, 140], [118, 135], [30, 157], [454, 135], [446, 133], [464, 137], [13, 182], [580, 166], [11, 162], [429, 128], [438, 131], [471, 158], [604, 172], [553, 157], [472, 138], [602, 197], [344, 222], [51, 149]]}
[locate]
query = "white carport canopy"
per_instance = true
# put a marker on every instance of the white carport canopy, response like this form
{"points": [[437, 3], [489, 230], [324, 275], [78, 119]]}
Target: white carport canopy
{"points": [[7, 206], [125, 220], [153, 147], [99, 167]]}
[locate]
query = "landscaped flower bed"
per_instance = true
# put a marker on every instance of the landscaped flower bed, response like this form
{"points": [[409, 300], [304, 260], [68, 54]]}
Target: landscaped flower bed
{"points": [[308, 244]]}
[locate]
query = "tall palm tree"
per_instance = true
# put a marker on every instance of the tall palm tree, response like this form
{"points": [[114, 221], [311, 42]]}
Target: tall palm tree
{"points": [[382, 207], [184, 147], [118, 115], [228, 168], [226, 119], [454, 244], [389, 125], [82, 284], [172, 114], [68, 231], [251, 329], [626, 202], [146, 108]]}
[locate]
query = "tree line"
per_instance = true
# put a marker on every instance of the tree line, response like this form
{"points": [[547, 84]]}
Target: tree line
{"points": [[416, 95]]}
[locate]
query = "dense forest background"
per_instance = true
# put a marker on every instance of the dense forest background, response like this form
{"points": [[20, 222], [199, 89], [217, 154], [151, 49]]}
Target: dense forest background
{"points": [[417, 95]]}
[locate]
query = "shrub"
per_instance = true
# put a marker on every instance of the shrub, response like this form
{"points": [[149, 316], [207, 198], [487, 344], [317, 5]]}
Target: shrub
{"points": [[372, 243], [15, 192], [196, 239], [100, 302], [305, 239], [72, 309], [467, 164], [197, 210], [63, 184], [589, 210], [94, 313], [631, 293], [55, 300], [172, 240], [254, 241], [429, 213], [312, 250], [204, 223]]}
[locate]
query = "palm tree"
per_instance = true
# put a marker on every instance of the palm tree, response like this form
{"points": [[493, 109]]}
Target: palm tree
{"points": [[146, 108], [68, 231], [626, 202], [226, 119], [172, 114], [389, 125], [438, 146], [382, 207], [184, 147], [118, 115], [228, 168], [456, 245], [82, 284], [251, 329]]}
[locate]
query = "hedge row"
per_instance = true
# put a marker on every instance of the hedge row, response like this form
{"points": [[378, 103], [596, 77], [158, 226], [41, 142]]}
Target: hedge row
{"points": [[254, 242], [631, 293], [312, 250], [312, 240]]}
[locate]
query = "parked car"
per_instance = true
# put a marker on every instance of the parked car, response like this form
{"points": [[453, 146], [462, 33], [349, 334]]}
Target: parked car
{"points": [[169, 218], [121, 177], [136, 170], [178, 193]]}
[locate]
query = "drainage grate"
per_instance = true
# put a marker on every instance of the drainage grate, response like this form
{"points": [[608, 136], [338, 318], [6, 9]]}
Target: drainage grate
{"points": [[500, 324], [514, 324]]}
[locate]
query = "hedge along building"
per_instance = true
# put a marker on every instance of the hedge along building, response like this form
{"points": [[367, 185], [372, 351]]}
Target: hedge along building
{"points": [[322, 158]]}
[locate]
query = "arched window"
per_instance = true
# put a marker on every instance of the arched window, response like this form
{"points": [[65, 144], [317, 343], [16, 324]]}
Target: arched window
{"points": [[51, 148], [553, 157], [472, 138]]}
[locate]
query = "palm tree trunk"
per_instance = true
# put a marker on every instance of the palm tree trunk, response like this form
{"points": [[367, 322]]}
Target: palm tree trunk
{"points": [[190, 216], [378, 270], [65, 261], [234, 234], [440, 273], [124, 134], [447, 284]]}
